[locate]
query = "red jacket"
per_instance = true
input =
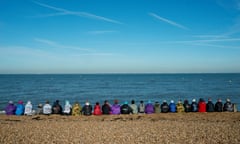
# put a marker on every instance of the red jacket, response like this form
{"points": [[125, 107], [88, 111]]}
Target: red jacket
{"points": [[202, 107], [97, 110]]}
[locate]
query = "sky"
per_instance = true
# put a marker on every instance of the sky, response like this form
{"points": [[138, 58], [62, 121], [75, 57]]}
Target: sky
{"points": [[119, 36]]}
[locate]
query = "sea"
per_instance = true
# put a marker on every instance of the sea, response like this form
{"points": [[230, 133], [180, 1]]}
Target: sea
{"points": [[124, 87]]}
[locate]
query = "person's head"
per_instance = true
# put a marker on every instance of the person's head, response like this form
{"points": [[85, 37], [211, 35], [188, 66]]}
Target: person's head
{"points": [[201, 100], [209, 99], [10, 102], [219, 100], [97, 103], [149, 102], [133, 102], [186, 101], [106, 102], [116, 101], [126, 103], [164, 101], [40, 105], [194, 100], [87, 103], [20, 102], [67, 102], [57, 101], [179, 102], [172, 101], [29, 102], [141, 102], [47, 102], [228, 100]]}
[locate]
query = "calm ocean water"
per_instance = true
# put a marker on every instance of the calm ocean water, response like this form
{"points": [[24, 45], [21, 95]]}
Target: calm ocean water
{"points": [[124, 87]]}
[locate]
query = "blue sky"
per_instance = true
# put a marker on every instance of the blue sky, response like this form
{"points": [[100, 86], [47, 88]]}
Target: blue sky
{"points": [[119, 36]]}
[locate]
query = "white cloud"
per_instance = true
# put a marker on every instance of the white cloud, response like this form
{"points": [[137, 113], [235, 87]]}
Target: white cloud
{"points": [[68, 12], [168, 21], [57, 45], [101, 32]]}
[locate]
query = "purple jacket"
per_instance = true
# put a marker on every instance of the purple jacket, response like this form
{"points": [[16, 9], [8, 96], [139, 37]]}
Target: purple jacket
{"points": [[115, 109], [149, 109], [10, 109]]}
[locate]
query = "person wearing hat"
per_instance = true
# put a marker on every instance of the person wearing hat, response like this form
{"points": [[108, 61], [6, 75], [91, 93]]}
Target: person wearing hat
{"points": [[87, 109], [47, 108], [28, 108], [115, 108], [201, 105], [141, 107], [210, 106], [76, 109], [228, 106], [97, 109], [194, 106], [149, 108], [39, 109], [157, 107], [57, 108], [134, 107], [187, 106], [20, 108], [106, 108], [10, 108], [180, 107], [218, 106], [164, 107], [126, 109], [172, 107]]}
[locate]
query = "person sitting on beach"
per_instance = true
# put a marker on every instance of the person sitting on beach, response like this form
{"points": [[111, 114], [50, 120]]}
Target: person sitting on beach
{"points": [[10, 108], [164, 107], [77, 109], [47, 108], [106, 108], [126, 109], [87, 109], [56, 108], [187, 106], [67, 108], [20, 108], [28, 108], [157, 108], [180, 107], [194, 106], [210, 106], [149, 108], [172, 107], [134, 107], [116, 108], [201, 105], [218, 106], [39, 109], [228, 106], [97, 109], [141, 107]]}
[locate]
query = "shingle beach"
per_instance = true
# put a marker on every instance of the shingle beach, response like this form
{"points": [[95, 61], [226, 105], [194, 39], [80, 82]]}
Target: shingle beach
{"points": [[201, 128]]}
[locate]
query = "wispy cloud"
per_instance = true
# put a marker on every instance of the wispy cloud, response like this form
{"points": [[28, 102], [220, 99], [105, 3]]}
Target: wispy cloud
{"points": [[210, 36], [62, 11], [209, 40], [101, 32], [168, 21], [57, 45]]}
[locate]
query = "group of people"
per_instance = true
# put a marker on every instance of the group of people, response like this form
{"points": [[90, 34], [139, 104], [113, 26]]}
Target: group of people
{"points": [[115, 109]]}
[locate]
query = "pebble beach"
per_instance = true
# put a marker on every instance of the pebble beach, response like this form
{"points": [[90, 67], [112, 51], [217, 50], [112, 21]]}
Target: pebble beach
{"points": [[176, 128]]}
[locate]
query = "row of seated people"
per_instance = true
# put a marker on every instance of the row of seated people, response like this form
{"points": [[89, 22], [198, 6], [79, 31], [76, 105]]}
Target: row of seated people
{"points": [[116, 108]]}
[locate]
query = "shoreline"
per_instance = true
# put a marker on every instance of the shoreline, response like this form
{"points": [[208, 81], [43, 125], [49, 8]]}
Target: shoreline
{"points": [[141, 128]]}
